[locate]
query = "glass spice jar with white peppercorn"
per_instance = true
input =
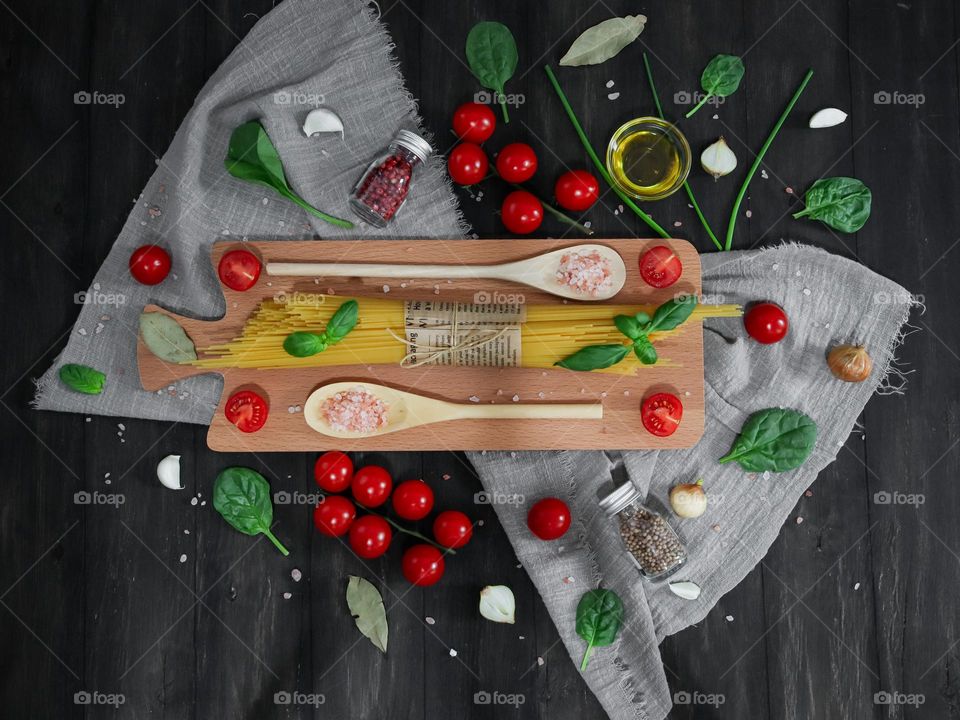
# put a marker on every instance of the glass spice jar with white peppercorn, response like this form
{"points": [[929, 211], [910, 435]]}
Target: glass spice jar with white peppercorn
{"points": [[653, 545]]}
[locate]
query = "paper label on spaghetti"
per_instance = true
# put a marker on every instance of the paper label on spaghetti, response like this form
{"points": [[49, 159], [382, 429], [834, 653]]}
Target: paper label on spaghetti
{"points": [[486, 335]]}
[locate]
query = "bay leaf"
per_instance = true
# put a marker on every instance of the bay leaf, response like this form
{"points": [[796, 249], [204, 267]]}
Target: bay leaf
{"points": [[367, 609], [604, 40], [165, 338]]}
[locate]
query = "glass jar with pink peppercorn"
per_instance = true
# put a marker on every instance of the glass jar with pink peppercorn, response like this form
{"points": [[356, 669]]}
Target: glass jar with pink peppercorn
{"points": [[383, 188]]}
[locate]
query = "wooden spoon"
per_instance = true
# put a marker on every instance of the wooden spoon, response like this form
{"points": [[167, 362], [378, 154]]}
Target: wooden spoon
{"points": [[406, 410], [539, 271]]}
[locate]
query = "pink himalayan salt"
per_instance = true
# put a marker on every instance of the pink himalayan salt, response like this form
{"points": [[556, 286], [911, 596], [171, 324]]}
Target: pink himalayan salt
{"points": [[355, 410], [587, 274]]}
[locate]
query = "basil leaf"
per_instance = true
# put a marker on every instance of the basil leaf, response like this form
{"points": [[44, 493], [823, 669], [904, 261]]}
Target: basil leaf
{"points": [[303, 344], [642, 318], [82, 379], [604, 40], [773, 439], [842, 203], [366, 606], [628, 325], [342, 322], [492, 55], [242, 497], [165, 338], [672, 313], [721, 77], [599, 615], [645, 351], [595, 357]]}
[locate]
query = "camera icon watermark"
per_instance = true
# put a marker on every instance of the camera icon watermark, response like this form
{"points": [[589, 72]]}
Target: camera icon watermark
{"points": [[95, 697], [484, 297], [896, 97], [495, 697], [695, 697], [298, 97], [299, 298], [883, 297], [485, 97], [95, 97], [295, 697], [485, 497], [96, 497], [282, 497], [894, 497], [885, 697], [685, 97], [96, 296]]}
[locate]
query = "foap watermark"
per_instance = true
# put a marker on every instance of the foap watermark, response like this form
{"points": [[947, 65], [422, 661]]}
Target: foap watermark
{"points": [[295, 697], [703, 299], [895, 697], [494, 297], [282, 497], [485, 97], [96, 296], [95, 97], [298, 97], [895, 497], [300, 298], [684, 97], [95, 697], [897, 298], [498, 498], [695, 697], [897, 97], [495, 697], [96, 497]]}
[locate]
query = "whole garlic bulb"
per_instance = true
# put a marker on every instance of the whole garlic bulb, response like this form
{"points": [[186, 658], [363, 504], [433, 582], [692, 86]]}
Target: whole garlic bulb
{"points": [[850, 363]]}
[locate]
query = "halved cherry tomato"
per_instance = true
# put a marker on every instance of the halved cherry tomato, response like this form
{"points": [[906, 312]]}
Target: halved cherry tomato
{"points": [[549, 518], [370, 536], [576, 190], [371, 486], [239, 269], [333, 471], [149, 264], [334, 515], [452, 529], [467, 164], [517, 162], [522, 212], [661, 414], [766, 323], [474, 122], [660, 267], [246, 410], [422, 565], [413, 500]]}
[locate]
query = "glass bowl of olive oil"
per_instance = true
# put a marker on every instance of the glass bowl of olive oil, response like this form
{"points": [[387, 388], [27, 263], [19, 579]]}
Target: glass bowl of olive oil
{"points": [[648, 158]]}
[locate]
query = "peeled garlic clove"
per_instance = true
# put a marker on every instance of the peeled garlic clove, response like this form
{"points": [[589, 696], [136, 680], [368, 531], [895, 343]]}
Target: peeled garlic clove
{"points": [[168, 472], [688, 500], [497, 604], [322, 120], [685, 589], [850, 363], [718, 159], [828, 117]]}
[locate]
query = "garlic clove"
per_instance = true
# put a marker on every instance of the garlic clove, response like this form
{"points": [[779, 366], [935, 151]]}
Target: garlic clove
{"points": [[828, 117], [718, 159], [688, 500], [168, 472], [850, 363], [685, 589], [497, 604], [322, 120]]}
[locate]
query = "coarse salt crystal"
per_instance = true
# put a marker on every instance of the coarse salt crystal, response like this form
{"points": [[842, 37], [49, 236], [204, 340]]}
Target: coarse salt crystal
{"points": [[609, 83], [429, 620], [587, 273], [453, 653], [613, 96], [729, 618], [296, 575], [183, 558], [355, 410], [516, 398], [386, 288], [474, 399], [287, 596]]}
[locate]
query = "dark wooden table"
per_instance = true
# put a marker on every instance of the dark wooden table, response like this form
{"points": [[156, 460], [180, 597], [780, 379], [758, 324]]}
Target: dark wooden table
{"points": [[860, 598]]}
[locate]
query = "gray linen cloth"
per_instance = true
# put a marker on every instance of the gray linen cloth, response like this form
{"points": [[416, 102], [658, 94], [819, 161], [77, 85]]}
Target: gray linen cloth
{"points": [[339, 55]]}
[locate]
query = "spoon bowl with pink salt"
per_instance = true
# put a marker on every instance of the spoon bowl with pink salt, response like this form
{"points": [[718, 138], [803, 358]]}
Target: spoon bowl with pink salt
{"points": [[361, 409]]}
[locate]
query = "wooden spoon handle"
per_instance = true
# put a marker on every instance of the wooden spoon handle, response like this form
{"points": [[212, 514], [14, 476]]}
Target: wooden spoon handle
{"points": [[382, 270], [534, 411]]}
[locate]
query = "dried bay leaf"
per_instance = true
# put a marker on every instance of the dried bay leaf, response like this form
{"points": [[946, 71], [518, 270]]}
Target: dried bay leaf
{"points": [[367, 609], [604, 40], [165, 338]]}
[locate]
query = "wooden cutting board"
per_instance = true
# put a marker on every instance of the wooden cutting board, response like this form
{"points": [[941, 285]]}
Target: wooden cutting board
{"points": [[288, 388]]}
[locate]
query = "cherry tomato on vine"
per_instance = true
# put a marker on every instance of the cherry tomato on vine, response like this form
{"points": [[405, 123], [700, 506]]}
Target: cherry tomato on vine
{"points": [[413, 500], [474, 122], [516, 163], [370, 536], [452, 529], [467, 164], [522, 212], [247, 410], [149, 264], [371, 486], [766, 323], [660, 267], [576, 190], [423, 565], [334, 515], [549, 518], [239, 270], [661, 414], [333, 471]]}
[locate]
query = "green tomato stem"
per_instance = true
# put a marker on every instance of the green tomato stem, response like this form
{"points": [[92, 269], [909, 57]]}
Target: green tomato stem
{"points": [[699, 105], [562, 217], [277, 543], [759, 159], [596, 160], [411, 533]]}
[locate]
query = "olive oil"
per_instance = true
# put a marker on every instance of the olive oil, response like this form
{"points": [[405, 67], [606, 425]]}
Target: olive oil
{"points": [[646, 163]]}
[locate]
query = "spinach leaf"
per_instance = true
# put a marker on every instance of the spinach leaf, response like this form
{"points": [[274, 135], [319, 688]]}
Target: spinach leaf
{"points": [[242, 497], [672, 313], [342, 322], [645, 351], [595, 357], [492, 55], [599, 615], [165, 338], [842, 203], [83, 379], [773, 439], [303, 344], [251, 156], [721, 77]]}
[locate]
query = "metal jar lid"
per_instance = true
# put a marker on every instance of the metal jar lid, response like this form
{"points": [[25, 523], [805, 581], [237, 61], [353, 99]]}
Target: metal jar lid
{"points": [[619, 498], [414, 143]]}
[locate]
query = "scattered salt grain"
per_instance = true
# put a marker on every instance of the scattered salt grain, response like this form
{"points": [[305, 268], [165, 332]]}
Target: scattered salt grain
{"points": [[613, 96], [540, 661], [541, 395], [808, 493], [89, 419], [806, 291], [716, 117], [193, 501], [788, 191], [766, 474], [430, 620], [715, 528], [856, 586], [775, 266], [81, 331], [186, 532], [453, 653], [749, 213], [513, 454], [474, 399], [568, 579], [609, 84], [799, 520], [521, 637], [479, 523], [287, 596], [516, 398], [183, 558], [764, 175], [445, 476], [729, 618], [296, 575], [386, 288]]}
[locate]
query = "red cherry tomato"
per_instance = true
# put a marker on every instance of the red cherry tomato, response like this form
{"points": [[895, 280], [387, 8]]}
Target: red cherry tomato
{"points": [[247, 410], [149, 264], [474, 122], [549, 518], [239, 270], [467, 164], [334, 515], [371, 486], [661, 414], [370, 536], [413, 500], [660, 267], [516, 163], [333, 471], [423, 565], [452, 529], [576, 190], [766, 323], [522, 212]]}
